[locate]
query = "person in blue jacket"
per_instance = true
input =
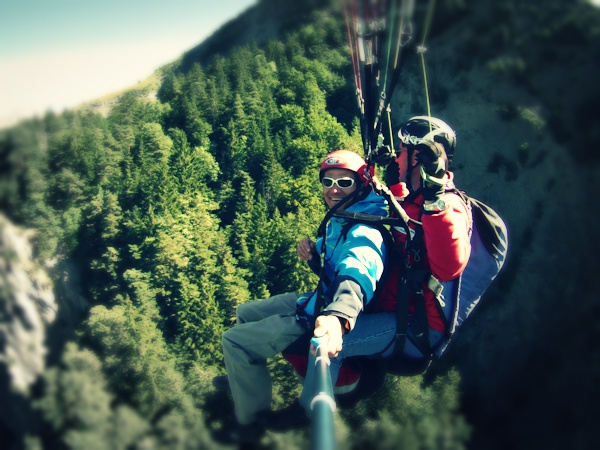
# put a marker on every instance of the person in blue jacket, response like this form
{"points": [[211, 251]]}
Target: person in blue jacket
{"points": [[351, 263]]}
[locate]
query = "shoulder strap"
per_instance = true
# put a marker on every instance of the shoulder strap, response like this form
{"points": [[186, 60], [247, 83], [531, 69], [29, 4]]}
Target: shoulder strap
{"points": [[379, 223], [416, 275], [490, 226]]}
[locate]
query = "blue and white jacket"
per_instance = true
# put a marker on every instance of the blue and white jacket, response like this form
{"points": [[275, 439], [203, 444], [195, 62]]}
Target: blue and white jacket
{"points": [[353, 264]]}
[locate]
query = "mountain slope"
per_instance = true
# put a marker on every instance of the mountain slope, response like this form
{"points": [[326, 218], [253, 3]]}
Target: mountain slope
{"points": [[268, 19]]}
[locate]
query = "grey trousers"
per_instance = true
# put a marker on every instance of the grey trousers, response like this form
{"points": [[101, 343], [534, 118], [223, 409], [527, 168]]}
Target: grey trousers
{"points": [[264, 329]]}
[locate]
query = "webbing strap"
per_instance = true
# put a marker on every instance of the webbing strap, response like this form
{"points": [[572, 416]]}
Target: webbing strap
{"points": [[417, 274], [401, 314], [377, 30], [420, 326]]}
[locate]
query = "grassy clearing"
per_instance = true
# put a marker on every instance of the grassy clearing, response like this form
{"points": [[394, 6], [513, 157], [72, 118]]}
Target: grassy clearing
{"points": [[103, 104]]}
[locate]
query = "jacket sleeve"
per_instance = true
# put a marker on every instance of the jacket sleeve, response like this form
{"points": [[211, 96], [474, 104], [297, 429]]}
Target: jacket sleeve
{"points": [[447, 238], [358, 270]]}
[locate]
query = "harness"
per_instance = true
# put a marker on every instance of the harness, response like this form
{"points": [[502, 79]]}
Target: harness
{"points": [[412, 275]]}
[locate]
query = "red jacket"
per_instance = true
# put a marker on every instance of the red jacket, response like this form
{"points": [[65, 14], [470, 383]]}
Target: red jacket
{"points": [[447, 247]]}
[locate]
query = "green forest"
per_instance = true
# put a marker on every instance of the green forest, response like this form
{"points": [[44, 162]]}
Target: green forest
{"points": [[156, 220], [176, 210]]}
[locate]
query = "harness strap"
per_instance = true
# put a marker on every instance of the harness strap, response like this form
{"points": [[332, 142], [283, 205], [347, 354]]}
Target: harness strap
{"points": [[401, 314], [420, 326]]}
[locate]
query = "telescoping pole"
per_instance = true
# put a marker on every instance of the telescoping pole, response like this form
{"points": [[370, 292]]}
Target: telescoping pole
{"points": [[323, 402]]}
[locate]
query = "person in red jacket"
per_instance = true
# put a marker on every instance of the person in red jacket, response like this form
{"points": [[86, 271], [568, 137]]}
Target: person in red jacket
{"points": [[423, 156]]}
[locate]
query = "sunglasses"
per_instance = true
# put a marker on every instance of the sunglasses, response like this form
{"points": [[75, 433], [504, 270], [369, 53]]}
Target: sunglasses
{"points": [[342, 183]]}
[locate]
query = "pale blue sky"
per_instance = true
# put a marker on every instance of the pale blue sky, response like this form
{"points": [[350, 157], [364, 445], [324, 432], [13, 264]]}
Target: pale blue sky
{"points": [[56, 54]]}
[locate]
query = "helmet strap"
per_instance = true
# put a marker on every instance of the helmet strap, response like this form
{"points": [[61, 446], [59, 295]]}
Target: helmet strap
{"points": [[409, 170]]}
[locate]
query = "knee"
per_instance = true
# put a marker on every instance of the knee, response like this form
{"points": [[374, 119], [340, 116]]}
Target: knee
{"points": [[235, 339], [241, 312], [228, 341]]}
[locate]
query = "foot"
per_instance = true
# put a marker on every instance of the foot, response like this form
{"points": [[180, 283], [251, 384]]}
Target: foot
{"points": [[221, 383], [291, 418], [235, 433]]}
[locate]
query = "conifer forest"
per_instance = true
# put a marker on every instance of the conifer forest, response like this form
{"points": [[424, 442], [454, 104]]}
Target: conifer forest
{"points": [[155, 221]]}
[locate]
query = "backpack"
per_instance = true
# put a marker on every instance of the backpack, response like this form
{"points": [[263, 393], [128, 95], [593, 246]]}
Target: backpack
{"points": [[456, 298], [489, 247]]}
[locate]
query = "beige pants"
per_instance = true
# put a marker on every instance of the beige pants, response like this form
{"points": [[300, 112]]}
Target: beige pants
{"points": [[264, 329]]}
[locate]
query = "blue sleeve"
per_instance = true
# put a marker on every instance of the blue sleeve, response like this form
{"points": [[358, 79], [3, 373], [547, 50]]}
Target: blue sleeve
{"points": [[358, 269]]}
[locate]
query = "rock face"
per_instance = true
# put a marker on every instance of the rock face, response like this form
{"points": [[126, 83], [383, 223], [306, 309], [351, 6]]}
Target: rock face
{"points": [[27, 308], [40, 305], [522, 354]]}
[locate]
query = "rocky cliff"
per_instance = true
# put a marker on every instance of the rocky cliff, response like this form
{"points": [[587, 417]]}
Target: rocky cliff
{"points": [[39, 308]]}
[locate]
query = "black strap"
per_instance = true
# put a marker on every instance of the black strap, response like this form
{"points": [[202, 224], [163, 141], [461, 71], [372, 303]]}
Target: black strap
{"points": [[401, 314], [420, 327], [320, 301], [348, 200], [322, 231], [417, 274]]}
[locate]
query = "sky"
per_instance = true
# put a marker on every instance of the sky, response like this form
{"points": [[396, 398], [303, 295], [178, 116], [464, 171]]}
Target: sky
{"points": [[57, 54]]}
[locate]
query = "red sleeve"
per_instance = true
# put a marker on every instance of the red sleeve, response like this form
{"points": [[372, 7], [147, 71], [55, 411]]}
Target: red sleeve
{"points": [[447, 239]]}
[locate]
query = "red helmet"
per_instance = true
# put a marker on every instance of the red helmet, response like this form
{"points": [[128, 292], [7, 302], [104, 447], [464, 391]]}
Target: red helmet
{"points": [[344, 159]]}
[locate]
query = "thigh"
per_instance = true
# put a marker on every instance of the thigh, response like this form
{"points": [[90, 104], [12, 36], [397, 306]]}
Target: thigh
{"points": [[372, 334], [282, 304], [265, 338]]}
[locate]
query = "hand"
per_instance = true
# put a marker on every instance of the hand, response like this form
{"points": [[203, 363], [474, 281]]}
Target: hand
{"points": [[433, 160], [434, 163], [306, 249], [384, 155], [332, 327]]}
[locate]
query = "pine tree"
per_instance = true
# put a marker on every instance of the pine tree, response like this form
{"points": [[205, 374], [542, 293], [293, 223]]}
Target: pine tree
{"points": [[78, 407], [192, 168], [101, 245], [407, 414], [247, 236], [154, 153], [187, 245]]}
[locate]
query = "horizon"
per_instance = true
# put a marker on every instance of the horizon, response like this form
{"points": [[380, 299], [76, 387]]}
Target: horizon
{"points": [[87, 51]]}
